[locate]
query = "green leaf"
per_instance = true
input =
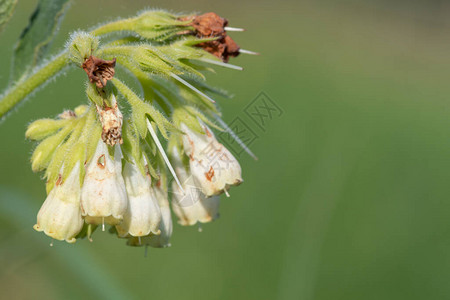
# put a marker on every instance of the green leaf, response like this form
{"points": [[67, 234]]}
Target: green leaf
{"points": [[36, 38], [6, 11]]}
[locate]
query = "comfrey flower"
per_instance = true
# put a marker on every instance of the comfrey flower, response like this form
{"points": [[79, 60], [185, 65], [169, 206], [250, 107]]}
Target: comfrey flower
{"points": [[60, 215], [105, 162], [162, 239], [212, 166], [190, 204], [143, 214], [103, 196]]}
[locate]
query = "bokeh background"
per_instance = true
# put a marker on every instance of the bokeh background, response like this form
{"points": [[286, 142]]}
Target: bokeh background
{"points": [[349, 198]]}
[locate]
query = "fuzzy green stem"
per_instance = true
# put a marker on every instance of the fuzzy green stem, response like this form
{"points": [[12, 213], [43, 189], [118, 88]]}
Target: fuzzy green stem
{"points": [[22, 88], [113, 51], [120, 25]]}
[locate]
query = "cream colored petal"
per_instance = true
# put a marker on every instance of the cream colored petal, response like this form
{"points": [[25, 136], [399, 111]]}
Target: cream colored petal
{"points": [[60, 215], [212, 166], [143, 215], [103, 193]]}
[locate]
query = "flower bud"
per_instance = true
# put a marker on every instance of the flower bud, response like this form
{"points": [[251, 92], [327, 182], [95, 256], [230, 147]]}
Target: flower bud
{"points": [[60, 215], [157, 25], [212, 166], [81, 45], [143, 214], [150, 60], [40, 129], [103, 195]]}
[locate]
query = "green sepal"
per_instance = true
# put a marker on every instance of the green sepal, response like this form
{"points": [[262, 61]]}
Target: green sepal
{"points": [[91, 135], [87, 231], [93, 94], [140, 111], [150, 59], [202, 117], [149, 166], [131, 146], [182, 115], [63, 156]]}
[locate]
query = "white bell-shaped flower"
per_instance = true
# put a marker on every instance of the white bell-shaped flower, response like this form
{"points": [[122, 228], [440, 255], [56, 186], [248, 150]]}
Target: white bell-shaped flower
{"points": [[212, 166], [166, 227], [191, 206], [143, 215], [153, 240], [103, 195], [60, 215]]}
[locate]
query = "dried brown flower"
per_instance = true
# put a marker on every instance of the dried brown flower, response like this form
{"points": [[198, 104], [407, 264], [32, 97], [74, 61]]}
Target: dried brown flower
{"points": [[223, 48], [111, 119], [99, 70], [209, 24], [212, 25]]}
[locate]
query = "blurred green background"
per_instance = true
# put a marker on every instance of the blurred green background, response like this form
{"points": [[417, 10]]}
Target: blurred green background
{"points": [[349, 198]]}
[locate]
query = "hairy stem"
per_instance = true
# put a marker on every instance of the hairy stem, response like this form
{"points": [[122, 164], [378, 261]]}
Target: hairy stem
{"points": [[120, 25], [24, 87]]}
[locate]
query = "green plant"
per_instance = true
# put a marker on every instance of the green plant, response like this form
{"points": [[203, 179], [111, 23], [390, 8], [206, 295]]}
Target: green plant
{"points": [[104, 162]]}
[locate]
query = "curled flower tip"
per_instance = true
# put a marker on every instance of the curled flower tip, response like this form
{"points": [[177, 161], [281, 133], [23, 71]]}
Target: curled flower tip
{"points": [[111, 119], [99, 70]]}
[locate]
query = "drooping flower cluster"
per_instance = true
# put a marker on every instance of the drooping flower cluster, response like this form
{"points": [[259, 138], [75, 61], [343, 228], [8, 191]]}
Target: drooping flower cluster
{"points": [[104, 162]]}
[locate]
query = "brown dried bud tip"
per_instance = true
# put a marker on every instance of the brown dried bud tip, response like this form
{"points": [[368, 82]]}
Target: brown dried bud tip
{"points": [[99, 70], [111, 119], [211, 25], [67, 114]]}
